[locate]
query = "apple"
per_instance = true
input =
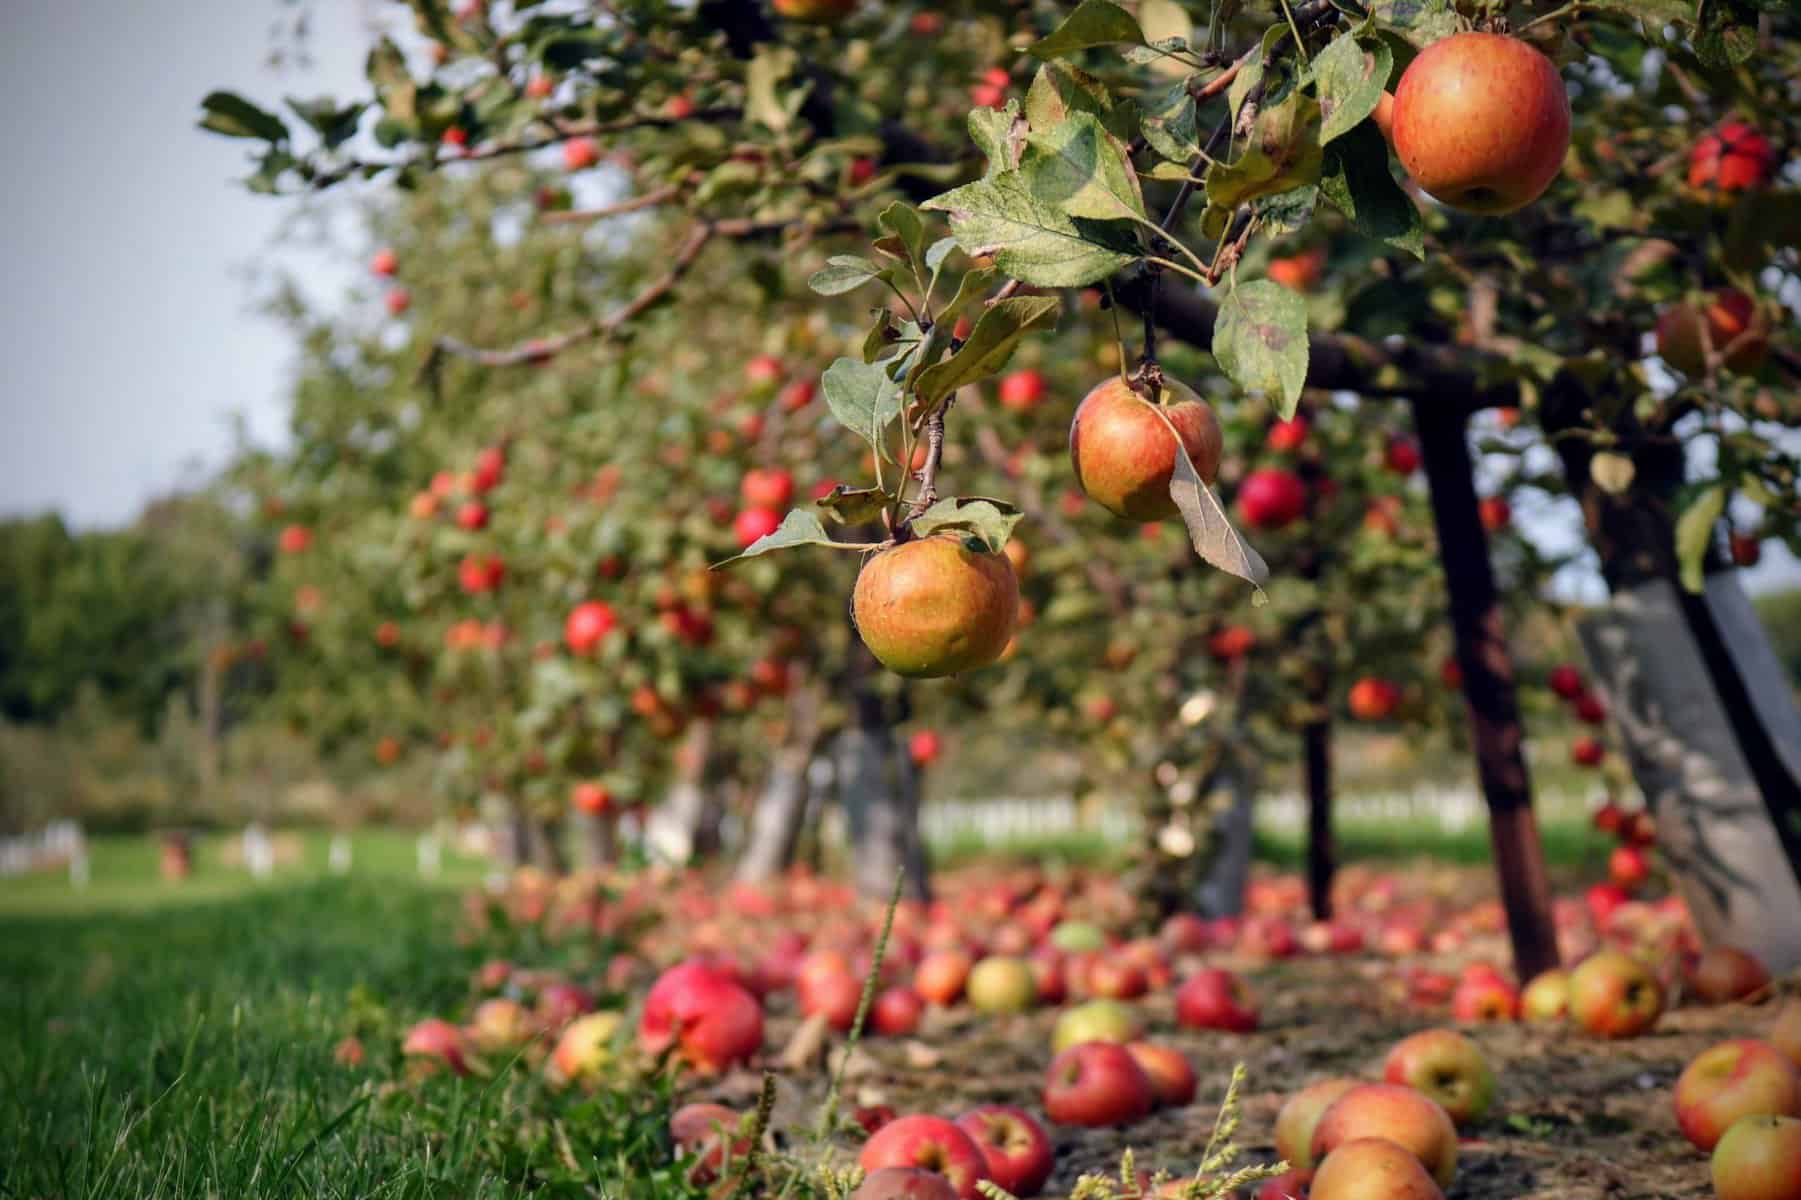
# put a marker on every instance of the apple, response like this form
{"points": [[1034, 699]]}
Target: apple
{"points": [[585, 1048], [941, 977], [1733, 158], [1292, 1184], [1014, 1144], [1745, 548], [580, 153], [294, 539], [1547, 997], [1758, 1158], [1480, 1000], [1372, 1169], [1612, 994], [1585, 751], [1001, 984], [1271, 498], [436, 1042], [1494, 512], [1095, 1021], [397, 301], [766, 487], [591, 798], [1184, 933], [1299, 272], [587, 626], [1402, 455], [1113, 978], [1097, 1084], [1448, 1067], [1589, 709], [1048, 968], [385, 263], [896, 1012], [1373, 699], [1172, 1078], [709, 1133], [1785, 1031], [1231, 642], [932, 1143], [472, 515], [1287, 436], [1725, 973], [1213, 998], [1400, 1114], [904, 1183], [499, 1024], [934, 607], [561, 1002], [695, 1008], [833, 993], [1735, 329], [1124, 453], [1738, 1078], [925, 747], [1021, 391], [1566, 681], [753, 524], [1300, 1114], [1628, 868], [1481, 122]]}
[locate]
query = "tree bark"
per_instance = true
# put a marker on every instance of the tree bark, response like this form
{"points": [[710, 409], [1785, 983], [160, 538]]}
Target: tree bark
{"points": [[687, 823], [776, 819], [1488, 690], [881, 802], [545, 846], [1322, 853], [600, 840], [1222, 889]]}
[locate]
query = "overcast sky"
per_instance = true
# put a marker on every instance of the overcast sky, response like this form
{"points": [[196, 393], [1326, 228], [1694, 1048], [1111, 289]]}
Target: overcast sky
{"points": [[125, 312]]}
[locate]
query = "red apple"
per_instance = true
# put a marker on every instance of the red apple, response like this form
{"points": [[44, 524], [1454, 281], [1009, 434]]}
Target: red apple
{"points": [[1758, 1158], [1585, 751], [1287, 436], [1022, 391], [931, 1143], [1017, 1149], [713, 1021], [1216, 999], [1300, 1114], [1745, 548], [767, 487], [924, 747], [1613, 995], [1628, 868], [904, 1183], [1372, 699], [1733, 158], [1372, 1169], [1742, 1077], [1495, 513], [752, 524], [1096, 1084], [1734, 329], [1400, 1114], [1124, 453], [1293, 1184], [397, 301], [896, 1012], [1402, 455], [833, 993], [587, 625], [438, 1043], [1566, 681], [1172, 1078], [1479, 1000], [1448, 1067], [580, 153], [385, 262], [1270, 498]]}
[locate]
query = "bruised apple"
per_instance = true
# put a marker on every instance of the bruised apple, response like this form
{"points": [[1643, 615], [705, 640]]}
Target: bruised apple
{"points": [[1482, 122], [936, 606], [1123, 451]]}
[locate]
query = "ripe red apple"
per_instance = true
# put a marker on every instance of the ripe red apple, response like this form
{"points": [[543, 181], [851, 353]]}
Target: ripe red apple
{"points": [[1372, 699], [904, 1183], [1482, 122], [1614, 995], [1014, 1144], [767, 487], [1400, 1114], [472, 515], [1402, 455], [1095, 1021], [1021, 391], [1096, 1084], [764, 371], [1735, 329], [1292, 1184], [1299, 272], [896, 1012], [1124, 454], [1287, 436], [941, 976], [397, 301], [1270, 498], [1110, 977], [591, 798], [1589, 709], [1547, 997], [580, 153], [1448, 1067], [584, 1050], [1216, 999], [439, 1043], [932, 1143], [294, 539], [1233, 641], [478, 573], [560, 1002], [934, 607], [587, 625], [1372, 1169], [1494, 512], [1172, 1078], [1300, 1114], [712, 1020], [1628, 868], [1742, 1077], [752, 524], [1566, 681], [385, 262], [1481, 1000], [1758, 1158], [836, 994], [1733, 158], [1001, 984], [709, 1133], [925, 747], [1585, 751], [1746, 549]]}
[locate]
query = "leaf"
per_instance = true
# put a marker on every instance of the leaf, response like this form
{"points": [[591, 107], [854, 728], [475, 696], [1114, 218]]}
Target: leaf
{"points": [[1287, 212], [1093, 23], [903, 220], [989, 521], [798, 528], [1031, 241], [1421, 22], [1695, 532], [1059, 90], [879, 338], [990, 345], [1348, 79], [996, 134], [1355, 179], [323, 116], [1260, 341], [971, 291], [1283, 152], [844, 273], [1164, 21], [1210, 531], [1082, 170], [937, 252], [230, 114], [1166, 117], [863, 398], [770, 67], [1612, 472], [853, 506]]}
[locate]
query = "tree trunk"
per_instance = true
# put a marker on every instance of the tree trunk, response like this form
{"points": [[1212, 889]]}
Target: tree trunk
{"points": [[545, 847], [1222, 889], [881, 802], [1322, 853], [1487, 666], [600, 841], [679, 828], [512, 835], [776, 819]]}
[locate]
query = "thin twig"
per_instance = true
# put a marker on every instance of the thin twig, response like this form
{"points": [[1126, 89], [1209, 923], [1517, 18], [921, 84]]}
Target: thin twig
{"points": [[651, 199], [928, 475]]}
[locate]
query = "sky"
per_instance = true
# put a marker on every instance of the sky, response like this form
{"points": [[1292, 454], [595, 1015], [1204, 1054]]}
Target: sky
{"points": [[126, 311]]}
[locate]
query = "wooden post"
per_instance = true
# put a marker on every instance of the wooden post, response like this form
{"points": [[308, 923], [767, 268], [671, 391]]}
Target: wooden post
{"points": [[1322, 854], [1488, 690]]}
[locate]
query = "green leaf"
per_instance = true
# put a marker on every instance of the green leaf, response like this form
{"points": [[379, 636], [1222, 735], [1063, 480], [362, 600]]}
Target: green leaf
{"points": [[879, 340], [335, 125], [769, 68], [1082, 170], [1031, 241], [1287, 212], [844, 273], [1348, 79], [995, 133], [798, 528], [1421, 22], [1093, 23], [1164, 21], [863, 399], [1283, 152], [1059, 90], [232, 115], [853, 506], [990, 345], [1260, 341], [1355, 179], [972, 290], [903, 220], [989, 521], [1166, 117], [1695, 533], [1210, 531]]}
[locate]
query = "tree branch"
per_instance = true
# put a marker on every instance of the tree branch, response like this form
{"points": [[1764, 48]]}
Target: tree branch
{"points": [[650, 199]]}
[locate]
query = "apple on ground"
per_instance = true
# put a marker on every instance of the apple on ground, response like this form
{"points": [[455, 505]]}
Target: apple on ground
{"points": [[712, 1020], [1742, 1077], [1758, 1158], [1299, 1115], [1015, 1145], [1400, 1114], [1448, 1067], [896, 1012], [1001, 984], [1547, 997], [499, 1023], [1097, 1084], [1372, 1169], [932, 1143], [1213, 998], [1172, 1078], [436, 1042], [1095, 1021], [710, 1133], [1292, 1184], [1485, 999], [904, 1183], [1613, 994], [1726, 973], [941, 977]]}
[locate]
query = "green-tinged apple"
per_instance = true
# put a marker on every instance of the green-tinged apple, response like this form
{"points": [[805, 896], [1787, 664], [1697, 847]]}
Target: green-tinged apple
{"points": [[935, 607], [1758, 1158], [1448, 1067], [1095, 1021], [1001, 984], [1124, 453], [1614, 995], [1742, 1077], [585, 1049], [1547, 997], [1300, 1115], [1372, 1169]]}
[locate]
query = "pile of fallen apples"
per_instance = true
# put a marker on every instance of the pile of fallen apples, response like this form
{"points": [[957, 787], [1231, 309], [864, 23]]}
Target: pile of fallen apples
{"points": [[1022, 941]]}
